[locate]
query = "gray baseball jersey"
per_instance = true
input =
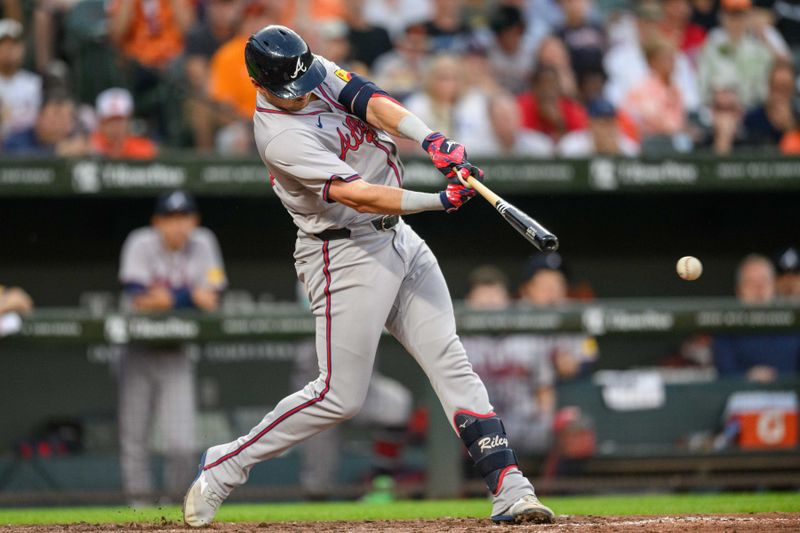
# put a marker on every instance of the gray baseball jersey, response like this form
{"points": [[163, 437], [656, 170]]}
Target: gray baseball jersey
{"points": [[513, 368], [306, 151], [145, 262]]}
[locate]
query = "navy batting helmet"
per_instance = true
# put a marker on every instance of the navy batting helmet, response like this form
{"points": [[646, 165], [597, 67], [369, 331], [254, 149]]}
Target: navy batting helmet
{"points": [[281, 62]]}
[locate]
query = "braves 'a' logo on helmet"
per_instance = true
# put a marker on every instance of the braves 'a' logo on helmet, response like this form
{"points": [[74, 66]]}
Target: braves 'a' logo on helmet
{"points": [[300, 67]]}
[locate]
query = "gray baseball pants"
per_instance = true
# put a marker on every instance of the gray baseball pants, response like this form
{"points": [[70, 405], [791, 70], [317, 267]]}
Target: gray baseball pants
{"points": [[156, 385], [357, 286]]}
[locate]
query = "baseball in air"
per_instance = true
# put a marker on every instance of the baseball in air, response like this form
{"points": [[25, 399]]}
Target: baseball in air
{"points": [[689, 268]]}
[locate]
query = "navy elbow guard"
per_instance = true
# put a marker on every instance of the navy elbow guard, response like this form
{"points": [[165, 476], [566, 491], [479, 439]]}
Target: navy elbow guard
{"points": [[356, 95], [487, 443]]}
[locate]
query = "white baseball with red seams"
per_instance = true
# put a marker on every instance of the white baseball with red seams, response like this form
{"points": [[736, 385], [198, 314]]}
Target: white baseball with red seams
{"points": [[689, 268]]}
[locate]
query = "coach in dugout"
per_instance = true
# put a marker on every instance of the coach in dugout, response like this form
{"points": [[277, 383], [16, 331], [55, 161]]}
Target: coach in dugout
{"points": [[170, 265], [516, 369], [759, 358], [546, 286]]}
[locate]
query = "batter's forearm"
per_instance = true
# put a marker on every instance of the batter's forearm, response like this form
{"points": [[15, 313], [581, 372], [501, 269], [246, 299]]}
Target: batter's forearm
{"points": [[390, 116], [383, 200]]}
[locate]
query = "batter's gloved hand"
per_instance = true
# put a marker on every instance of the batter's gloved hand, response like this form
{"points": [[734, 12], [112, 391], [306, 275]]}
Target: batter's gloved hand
{"points": [[448, 156], [455, 195]]}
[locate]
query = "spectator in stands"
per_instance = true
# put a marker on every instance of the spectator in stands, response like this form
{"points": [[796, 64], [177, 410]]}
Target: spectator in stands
{"points": [[546, 109], [202, 41], [333, 44], [512, 56], [584, 38], [733, 56], [397, 15], [761, 24], [475, 60], [113, 138], [516, 369], [173, 264], [626, 65], [509, 137], [398, 72], [790, 143], [602, 137], [705, 14], [13, 302], [48, 34], [787, 21], [448, 103], [20, 90], [766, 123], [55, 134], [150, 32], [367, 41], [552, 53], [446, 27], [545, 286], [11, 9], [678, 27], [149, 35], [590, 87], [760, 358], [725, 130], [655, 102], [229, 83], [304, 16], [787, 283]]}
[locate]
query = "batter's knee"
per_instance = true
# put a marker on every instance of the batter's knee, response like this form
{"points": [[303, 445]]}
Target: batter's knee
{"points": [[347, 402]]}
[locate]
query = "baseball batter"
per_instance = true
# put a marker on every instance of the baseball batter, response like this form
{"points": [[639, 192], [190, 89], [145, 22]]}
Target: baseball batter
{"points": [[323, 133]]}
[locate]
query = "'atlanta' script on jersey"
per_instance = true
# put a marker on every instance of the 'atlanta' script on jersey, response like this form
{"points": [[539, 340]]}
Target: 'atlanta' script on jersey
{"points": [[357, 132]]}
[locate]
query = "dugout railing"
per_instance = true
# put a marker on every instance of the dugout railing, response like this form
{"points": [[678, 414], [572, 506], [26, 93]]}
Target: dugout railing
{"points": [[638, 449]]}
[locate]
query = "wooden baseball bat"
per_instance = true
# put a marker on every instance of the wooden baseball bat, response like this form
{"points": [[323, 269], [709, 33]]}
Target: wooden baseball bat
{"points": [[534, 233]]}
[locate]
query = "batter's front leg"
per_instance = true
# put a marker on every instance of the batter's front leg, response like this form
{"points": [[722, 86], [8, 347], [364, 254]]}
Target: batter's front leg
{"points": [[350, 315], [423, 321]]}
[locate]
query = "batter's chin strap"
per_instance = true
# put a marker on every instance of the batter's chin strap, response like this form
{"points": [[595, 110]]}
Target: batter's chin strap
{"points": [[487, 443]]}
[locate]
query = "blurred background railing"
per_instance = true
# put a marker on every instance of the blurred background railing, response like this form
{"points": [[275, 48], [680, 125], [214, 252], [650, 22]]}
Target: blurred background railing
{"points": [[654, 425]]}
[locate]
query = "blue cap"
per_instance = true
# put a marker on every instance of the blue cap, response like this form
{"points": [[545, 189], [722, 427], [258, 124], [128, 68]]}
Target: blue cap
{"points": [[170, 203], [545, 261], [788, 261], [600, 108]]}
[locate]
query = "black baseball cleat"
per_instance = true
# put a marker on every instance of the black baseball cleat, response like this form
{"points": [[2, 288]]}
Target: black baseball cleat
{"points": [[527, 509]]}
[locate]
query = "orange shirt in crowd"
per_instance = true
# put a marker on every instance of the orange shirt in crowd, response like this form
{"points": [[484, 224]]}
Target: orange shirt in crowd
{"points": [[657, 106], [154, 37], [627, 126], [132, 147], [229, 81], [790, 143], [318, 10]]}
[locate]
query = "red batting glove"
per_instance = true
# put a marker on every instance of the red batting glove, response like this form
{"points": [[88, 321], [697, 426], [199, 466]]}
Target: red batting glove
{"points": [[449, 156], [455, 195]]}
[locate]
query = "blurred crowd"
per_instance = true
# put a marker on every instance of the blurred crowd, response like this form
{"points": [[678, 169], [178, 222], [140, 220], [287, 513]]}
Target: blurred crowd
{"points": [[534, 78]]}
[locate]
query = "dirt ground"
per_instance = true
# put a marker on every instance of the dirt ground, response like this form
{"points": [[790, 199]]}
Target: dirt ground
{"points": [[739, 523]]}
